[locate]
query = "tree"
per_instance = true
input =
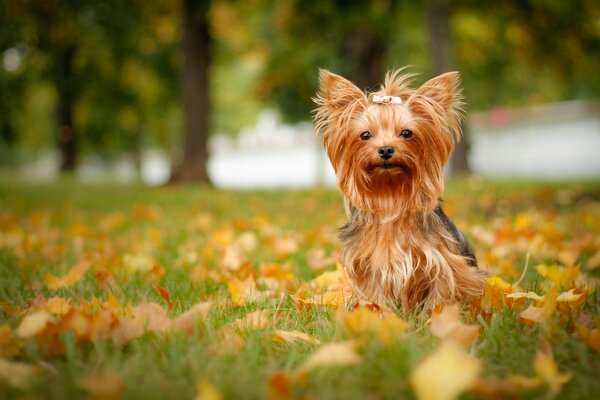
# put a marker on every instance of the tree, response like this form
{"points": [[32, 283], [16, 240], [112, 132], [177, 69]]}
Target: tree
{"points": [[441, 51], [194, 80]]}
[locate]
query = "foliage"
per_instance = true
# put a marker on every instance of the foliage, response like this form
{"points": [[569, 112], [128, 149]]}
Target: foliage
{"points": [[126, 82], [194, 291]]}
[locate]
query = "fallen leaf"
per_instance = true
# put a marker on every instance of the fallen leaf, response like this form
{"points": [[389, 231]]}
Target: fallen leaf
{"points": [[445, 374], [166, 296], [338, 353], [73, 276], [187, 321], [207, 391], [293, 337], [9, 346], [17, 374], [106, 386], [364, 321], [532, 315], [446, 325], [252, 321], [34, 323], [280, 386], [227, 342], [564, 277], [546, 369]]}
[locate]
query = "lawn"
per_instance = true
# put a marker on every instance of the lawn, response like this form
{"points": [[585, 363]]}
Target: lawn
{"points": [[130, 292]]}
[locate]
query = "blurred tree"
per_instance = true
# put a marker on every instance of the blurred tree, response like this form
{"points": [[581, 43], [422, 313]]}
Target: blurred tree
{"points": [[441, 50], [194, 81]]}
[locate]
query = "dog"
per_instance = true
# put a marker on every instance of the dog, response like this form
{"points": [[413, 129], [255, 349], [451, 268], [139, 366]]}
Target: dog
{"points": [[388, 149]]}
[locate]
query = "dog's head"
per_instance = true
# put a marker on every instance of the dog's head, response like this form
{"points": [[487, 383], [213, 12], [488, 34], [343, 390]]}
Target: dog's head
{"points": [[388, 148]]}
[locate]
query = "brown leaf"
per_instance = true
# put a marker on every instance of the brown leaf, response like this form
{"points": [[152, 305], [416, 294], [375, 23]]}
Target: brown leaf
{"points": [[16, 374], [106, 386], [187, 321]]}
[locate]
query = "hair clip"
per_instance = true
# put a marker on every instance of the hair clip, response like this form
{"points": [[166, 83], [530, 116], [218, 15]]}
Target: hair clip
{"points": [[386, 99]]}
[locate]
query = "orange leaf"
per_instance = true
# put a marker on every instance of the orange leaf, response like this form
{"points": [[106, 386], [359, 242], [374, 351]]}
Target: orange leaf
{"points": [[164, 293]]}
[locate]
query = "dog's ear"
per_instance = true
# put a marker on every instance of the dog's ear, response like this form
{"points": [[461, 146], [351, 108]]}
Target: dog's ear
{"points": [[445, 91], [336, 92]]}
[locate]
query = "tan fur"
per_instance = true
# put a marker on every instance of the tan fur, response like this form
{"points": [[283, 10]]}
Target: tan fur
{"points": [[396, 248]]}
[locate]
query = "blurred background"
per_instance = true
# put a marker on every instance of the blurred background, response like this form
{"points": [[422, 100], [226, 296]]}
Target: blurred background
{"points": [[220, 91]]}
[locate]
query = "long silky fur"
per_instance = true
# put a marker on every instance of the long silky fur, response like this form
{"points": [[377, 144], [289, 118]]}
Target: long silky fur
{"points": [[395, 247]]}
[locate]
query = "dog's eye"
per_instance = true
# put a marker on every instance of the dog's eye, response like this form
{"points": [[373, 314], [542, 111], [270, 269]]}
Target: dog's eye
{"points": [[406, 134], [366, 135]]}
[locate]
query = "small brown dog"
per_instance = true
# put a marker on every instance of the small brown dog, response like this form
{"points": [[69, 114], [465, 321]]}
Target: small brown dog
{"points": [[388, 149]]}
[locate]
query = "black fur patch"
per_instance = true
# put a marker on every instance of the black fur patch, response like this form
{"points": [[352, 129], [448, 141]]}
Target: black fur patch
{"points": [[466, 250]]}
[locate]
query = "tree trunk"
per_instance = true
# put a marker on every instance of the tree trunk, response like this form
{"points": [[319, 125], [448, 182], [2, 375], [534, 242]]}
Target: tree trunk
{"points": [[365, 55], [442, 57], [194, 80], [66, 138]]}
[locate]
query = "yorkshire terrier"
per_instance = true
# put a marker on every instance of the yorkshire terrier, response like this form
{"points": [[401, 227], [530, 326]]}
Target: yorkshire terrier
{"points": [[388, 150]]}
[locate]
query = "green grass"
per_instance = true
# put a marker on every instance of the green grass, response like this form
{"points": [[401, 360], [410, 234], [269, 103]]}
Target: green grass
{"points": [[46, 217]]}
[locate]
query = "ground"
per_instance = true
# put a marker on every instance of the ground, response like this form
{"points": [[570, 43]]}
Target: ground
{"points": [[178, 292]]}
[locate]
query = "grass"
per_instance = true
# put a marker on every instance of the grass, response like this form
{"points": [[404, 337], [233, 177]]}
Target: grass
{"points": [[48, 228]]}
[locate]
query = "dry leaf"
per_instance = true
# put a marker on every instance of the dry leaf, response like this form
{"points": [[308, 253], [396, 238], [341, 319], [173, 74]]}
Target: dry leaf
{"points": [[207, 391], [16, 374], [166, 296], [548, 372], [252, 321], [187, 321], [293, 337], [445, 374], [532, 315], [106, 386], [9, 346], [446, 325], [338, 353], [34, 323], [364, 321], [75, 274]]}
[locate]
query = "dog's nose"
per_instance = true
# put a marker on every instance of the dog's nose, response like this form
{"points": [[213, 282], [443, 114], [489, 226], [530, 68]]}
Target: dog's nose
{"points": [[386, 152]]}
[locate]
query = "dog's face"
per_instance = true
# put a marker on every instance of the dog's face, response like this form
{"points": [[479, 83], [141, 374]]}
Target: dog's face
{"points": [[389, 157]]}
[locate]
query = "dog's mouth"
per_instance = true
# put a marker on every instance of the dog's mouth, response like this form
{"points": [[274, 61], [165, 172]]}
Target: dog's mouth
{"points": [[387, 166]]}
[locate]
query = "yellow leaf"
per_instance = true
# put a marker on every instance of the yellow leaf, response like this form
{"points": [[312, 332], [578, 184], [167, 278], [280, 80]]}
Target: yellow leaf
{"points": [[293, 337], [34, 323], [207, 391], [546, 369], [52, 282], [243, 291], [339, 353], [57, 305], [523, 295], [446, 325], [364, 321], [445, 374], [16, 374], [564, 277]]}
